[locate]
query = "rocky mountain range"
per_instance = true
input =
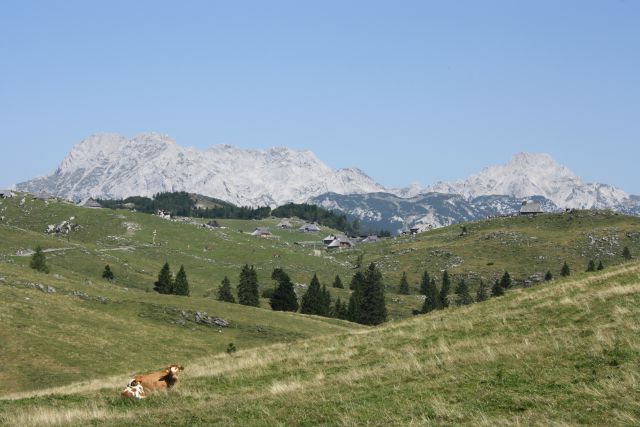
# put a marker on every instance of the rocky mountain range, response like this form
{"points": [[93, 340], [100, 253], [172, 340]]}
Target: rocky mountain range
{"points": [[528, 174], [112, 166]]}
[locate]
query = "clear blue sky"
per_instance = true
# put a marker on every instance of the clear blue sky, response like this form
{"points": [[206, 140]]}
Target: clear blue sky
{"points": [[405, 90]]}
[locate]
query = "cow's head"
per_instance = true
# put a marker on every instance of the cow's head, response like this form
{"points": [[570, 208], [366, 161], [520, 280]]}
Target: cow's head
{"points": [[173, 369]]}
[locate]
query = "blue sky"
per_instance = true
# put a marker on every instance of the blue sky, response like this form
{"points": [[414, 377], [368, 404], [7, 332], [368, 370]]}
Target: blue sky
{"points": [[407, 91]]}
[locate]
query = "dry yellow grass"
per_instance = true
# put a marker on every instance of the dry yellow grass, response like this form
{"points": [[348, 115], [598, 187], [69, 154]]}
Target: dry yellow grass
{"points": [[560, 354]]}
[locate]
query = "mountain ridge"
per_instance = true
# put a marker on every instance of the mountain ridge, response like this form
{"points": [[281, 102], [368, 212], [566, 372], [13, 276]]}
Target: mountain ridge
{"points": [[110, 166], [529, 174]]}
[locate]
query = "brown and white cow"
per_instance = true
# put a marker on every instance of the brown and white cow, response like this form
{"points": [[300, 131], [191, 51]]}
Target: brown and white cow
{"points": [[162, 380], [133, 390]]}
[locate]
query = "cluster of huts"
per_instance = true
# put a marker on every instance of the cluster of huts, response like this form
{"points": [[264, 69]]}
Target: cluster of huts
{"points": [[285, 224], [331, 242], [88, 203]]}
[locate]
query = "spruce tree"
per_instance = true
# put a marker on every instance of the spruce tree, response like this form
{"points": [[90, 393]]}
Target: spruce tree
{"points": [[481, 293], [164, 284], [463, 295], [39, 261], [404, 285], [284, 297], [340, 309], [565, 271], [337, 282], [314, 301], [107, 273], [444, 291], [497, 289], [181, 284], [356, 280], [248, 287], [505, 281], [432, 297], [224, 292], [325, 301], [548, 276], [355, 300], [591, 266], [626, 253], [424, 283], [600, 266], [373, 310]]}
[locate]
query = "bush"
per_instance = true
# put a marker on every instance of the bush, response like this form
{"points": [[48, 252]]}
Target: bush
{"points": [[39, 261], [565, 271], [107, 273], [231, 348]]}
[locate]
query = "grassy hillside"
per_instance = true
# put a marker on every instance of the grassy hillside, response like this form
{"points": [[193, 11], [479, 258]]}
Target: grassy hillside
{"points": [[88, 324], [524, 246], [93, 328], [125, 240], [564, 352]]}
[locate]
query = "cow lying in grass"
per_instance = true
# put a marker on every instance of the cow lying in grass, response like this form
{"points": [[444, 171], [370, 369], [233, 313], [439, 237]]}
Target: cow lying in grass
{"points": [[162, 380], [133, 390]]}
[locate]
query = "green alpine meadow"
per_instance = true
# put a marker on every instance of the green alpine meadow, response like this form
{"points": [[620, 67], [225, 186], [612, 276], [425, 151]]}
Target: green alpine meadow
{"points": [[511, 338]]}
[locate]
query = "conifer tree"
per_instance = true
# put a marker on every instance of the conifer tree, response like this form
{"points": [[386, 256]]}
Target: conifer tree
{"points": [[355, 300], [107, 273], [626, 253], [224, 292], [340, 309], [505, 281], [565, 271], [372, 310], [444, 291], [181, 284], [164, 284], [548, 276], [600, 266], [591, 266], [481, 293], [248, 287], [337, 282], [463, 295], [432, 297], [356, 280], [424, 283], [325, 301], [284, 297], [497, 289], [404, 285], [314, 301], [39, 261]]}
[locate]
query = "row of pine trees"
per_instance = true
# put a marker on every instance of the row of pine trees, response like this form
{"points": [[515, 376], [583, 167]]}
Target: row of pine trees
{"points": [[366, 304]]}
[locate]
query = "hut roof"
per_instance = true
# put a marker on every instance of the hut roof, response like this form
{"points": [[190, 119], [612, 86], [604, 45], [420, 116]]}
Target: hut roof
{"points": [[530, 208], [91, 203], [261, 231]]}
